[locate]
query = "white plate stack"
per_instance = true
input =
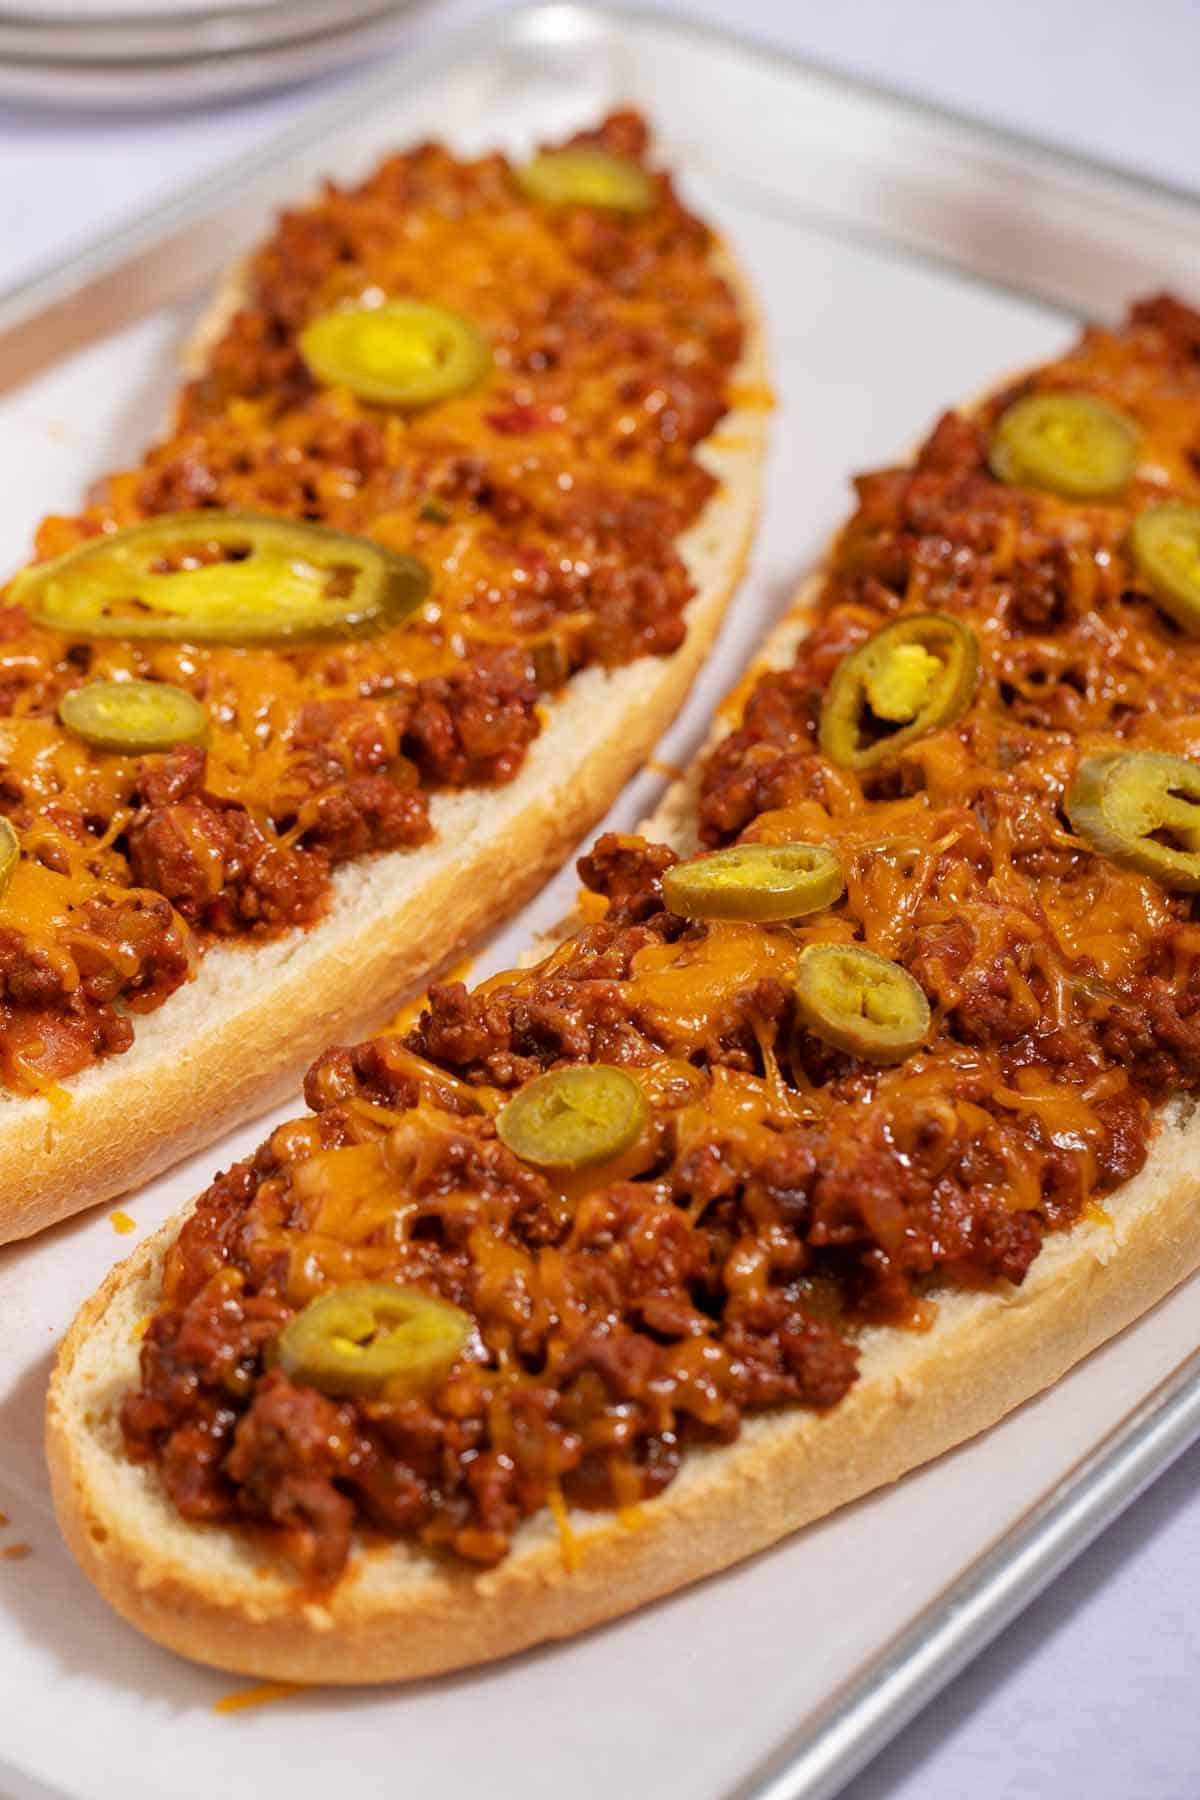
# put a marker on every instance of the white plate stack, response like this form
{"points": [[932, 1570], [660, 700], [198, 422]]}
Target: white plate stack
{"points": [[147, 52]]}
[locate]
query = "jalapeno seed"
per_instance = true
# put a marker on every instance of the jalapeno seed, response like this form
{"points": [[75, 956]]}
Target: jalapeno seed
{"points": [[222, 578], [405, 353], [372, 1336], [860, 1002], [1066, 443], [573, 1118], [899, 687], [768, 882], [910, 678], [584, 176], [1141, 809]]}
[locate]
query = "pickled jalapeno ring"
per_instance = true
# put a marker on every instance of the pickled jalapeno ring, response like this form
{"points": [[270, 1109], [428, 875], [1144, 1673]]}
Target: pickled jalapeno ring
{"points": [[222, 578], [10, 853], [586, 177], [405, 353], [912, 677], [371, 1336], [769, 882], [1166, 548], [1141, 809], [1065, 443], [860, 1002], [572, 1118], [133, 716]]}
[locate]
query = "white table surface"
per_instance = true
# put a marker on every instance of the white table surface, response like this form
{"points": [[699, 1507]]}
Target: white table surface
{"points": [[1093, 1691]]}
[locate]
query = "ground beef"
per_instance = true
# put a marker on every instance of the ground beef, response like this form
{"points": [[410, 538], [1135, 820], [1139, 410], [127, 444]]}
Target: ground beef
{"points": [[547, 504], [785, 1193]]}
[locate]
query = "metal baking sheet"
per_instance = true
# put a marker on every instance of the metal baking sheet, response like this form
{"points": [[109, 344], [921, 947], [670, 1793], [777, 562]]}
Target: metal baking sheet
{"points": [[903, 259]]}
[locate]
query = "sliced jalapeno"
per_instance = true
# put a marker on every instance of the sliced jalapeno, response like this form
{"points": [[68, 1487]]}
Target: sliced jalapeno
{"points": [[370, 1336], [133, 716], [755, 881], [405, 353], [10, 853], [860, 1002], [572, 1118], [587, 177], [222, 578], [1141, 808], [915, 675], [1166, 548], [1069, 444]]}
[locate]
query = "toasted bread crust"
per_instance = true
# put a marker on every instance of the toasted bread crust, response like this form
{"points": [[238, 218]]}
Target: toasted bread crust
{"points": [[245, 1029], [211, 1594]]}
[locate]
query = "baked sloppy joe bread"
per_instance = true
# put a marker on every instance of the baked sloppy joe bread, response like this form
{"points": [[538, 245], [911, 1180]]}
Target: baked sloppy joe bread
{"points": [[442, 528], [853, 1112]]}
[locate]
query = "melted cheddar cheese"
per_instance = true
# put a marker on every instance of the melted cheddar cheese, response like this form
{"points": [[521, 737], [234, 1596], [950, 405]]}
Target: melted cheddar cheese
{"points": [[781, 1192], [546, 502]]}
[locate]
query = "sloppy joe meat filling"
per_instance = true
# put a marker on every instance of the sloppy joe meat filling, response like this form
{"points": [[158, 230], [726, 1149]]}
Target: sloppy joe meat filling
{"points": [[547, 502], [783, 1196]]}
